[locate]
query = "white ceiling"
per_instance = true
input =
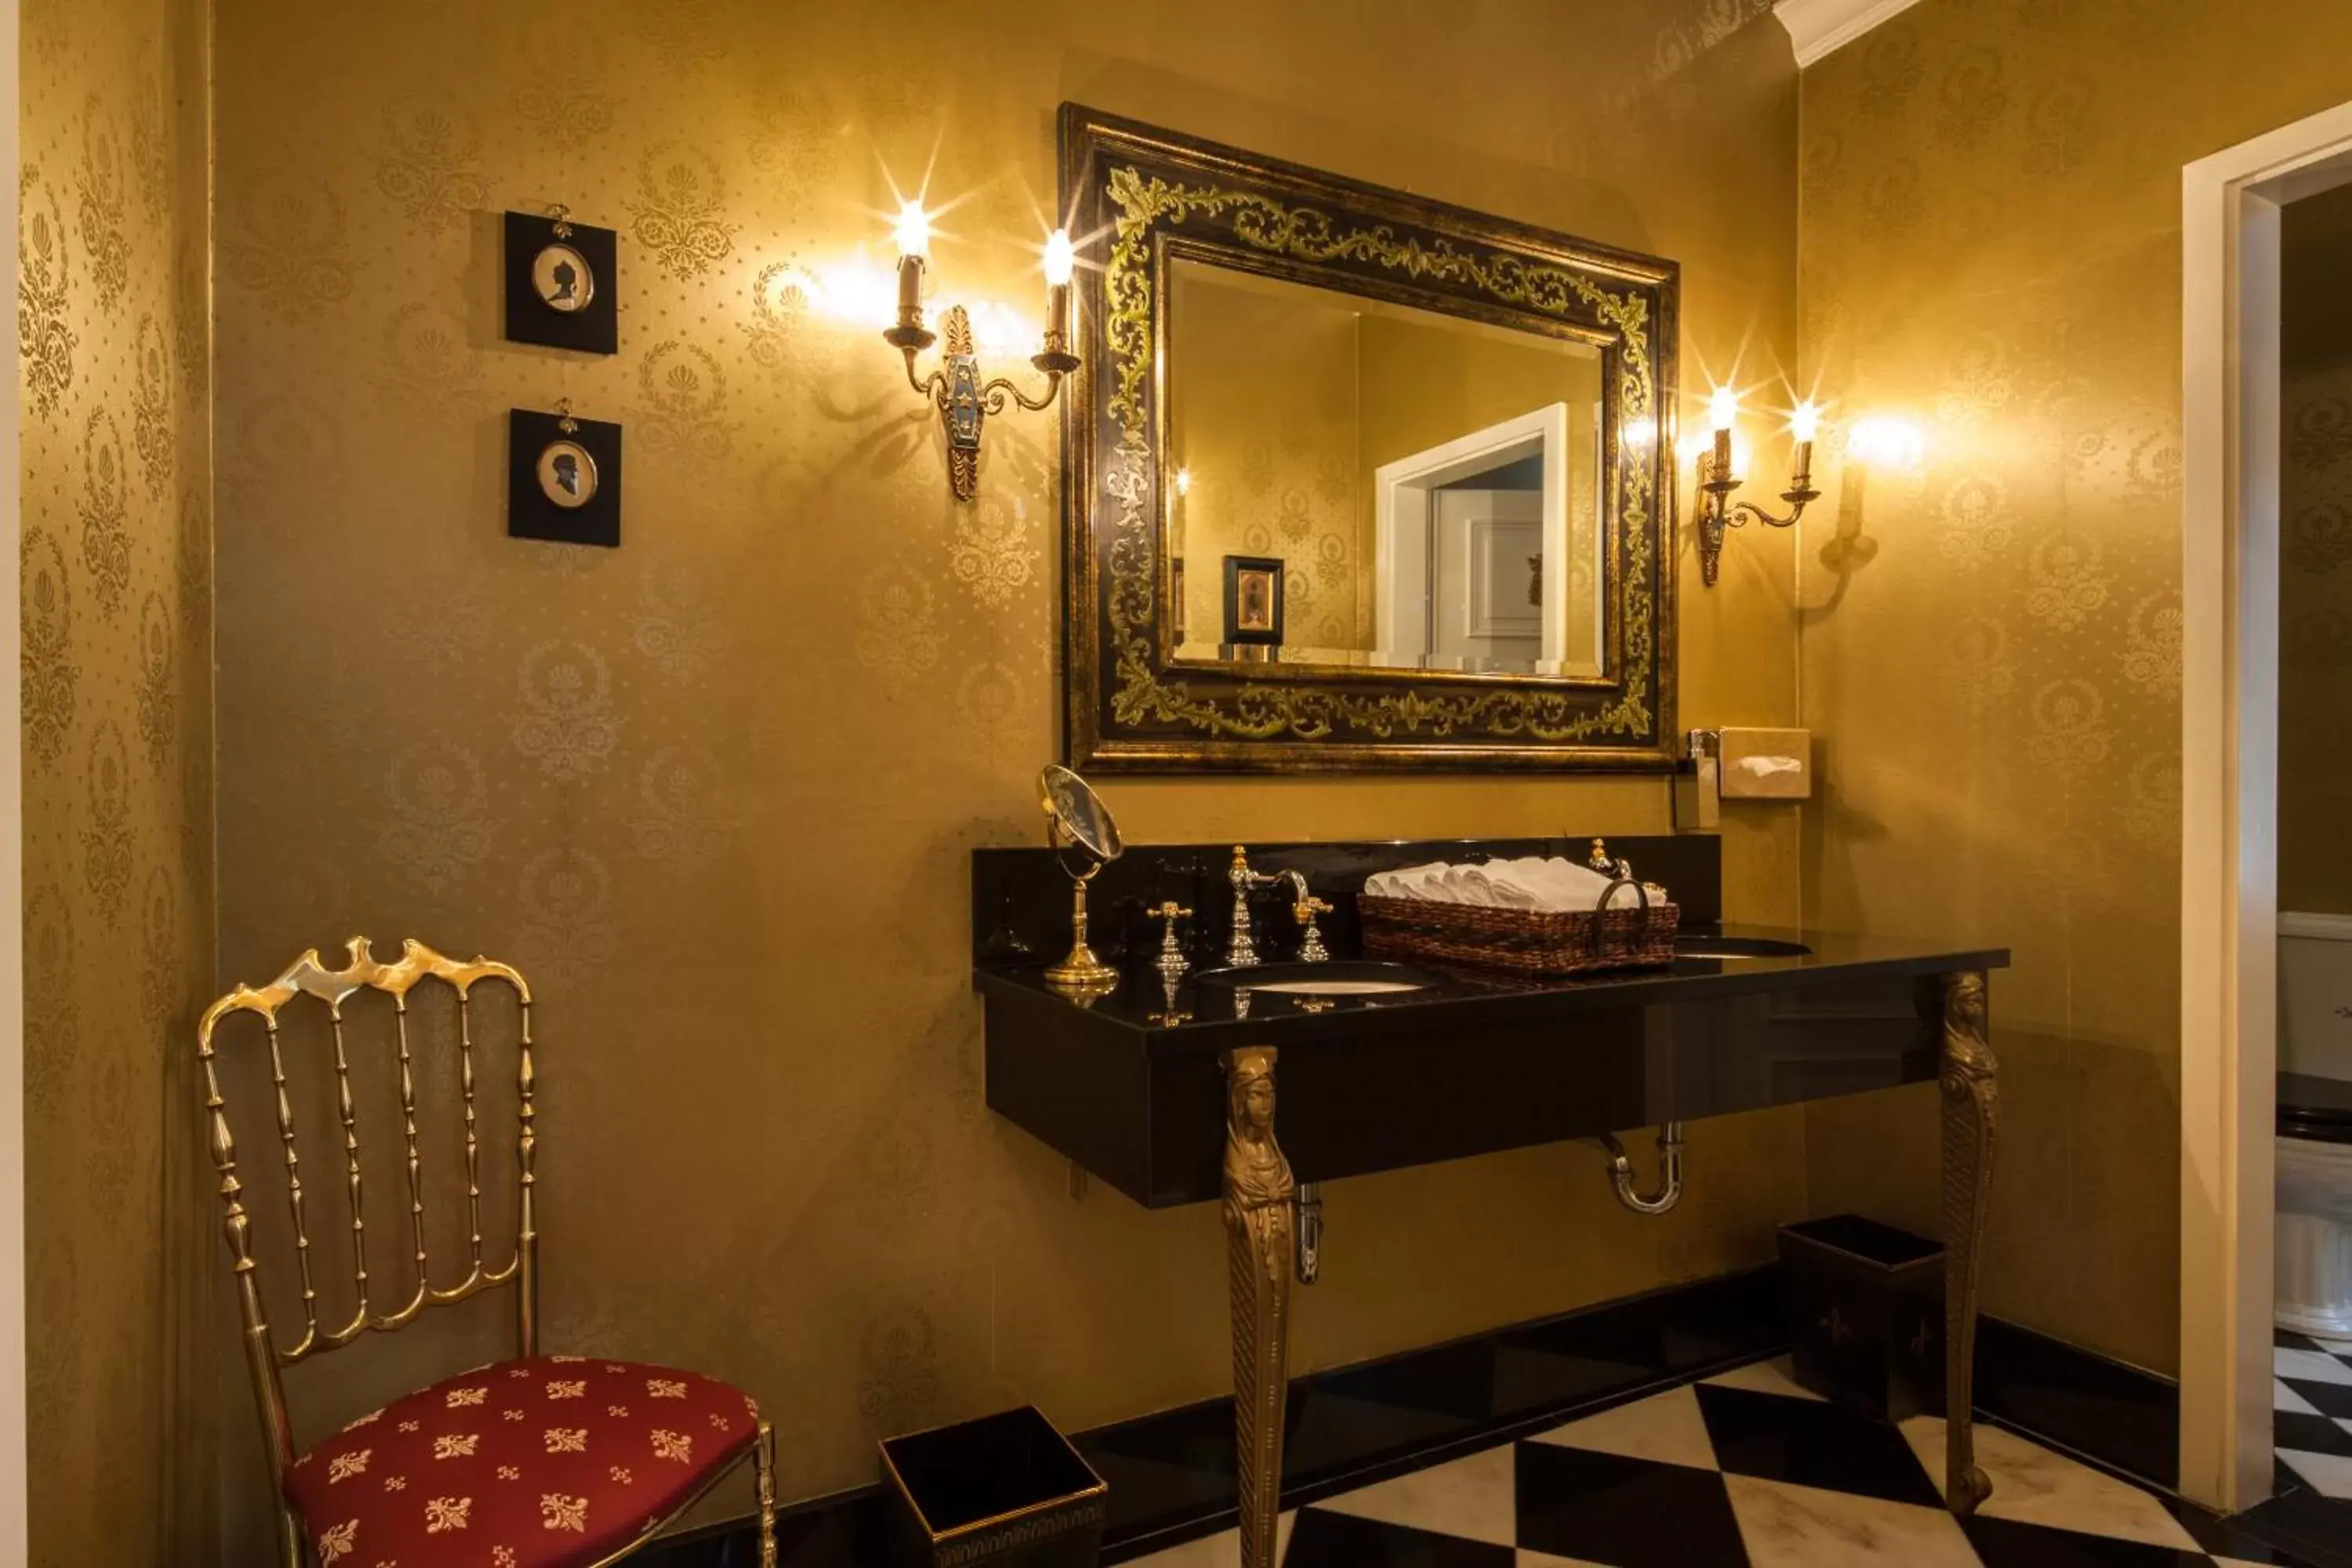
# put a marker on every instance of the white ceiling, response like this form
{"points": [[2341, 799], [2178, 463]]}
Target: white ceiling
{"points": [[1819, 27]]}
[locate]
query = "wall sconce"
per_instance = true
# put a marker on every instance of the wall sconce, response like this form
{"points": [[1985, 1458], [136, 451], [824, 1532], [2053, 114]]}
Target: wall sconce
{"points": [[1716, 478], [962, 399]]}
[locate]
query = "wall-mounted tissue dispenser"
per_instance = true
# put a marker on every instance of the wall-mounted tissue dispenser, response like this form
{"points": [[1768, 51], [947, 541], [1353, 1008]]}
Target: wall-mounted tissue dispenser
{"points": [[1767, 764], [1740, 764]]}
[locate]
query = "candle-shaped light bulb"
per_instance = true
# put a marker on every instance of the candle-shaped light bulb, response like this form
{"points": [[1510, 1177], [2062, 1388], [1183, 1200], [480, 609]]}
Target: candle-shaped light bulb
{"points": [[914, 230], [1183, 481], [914, 244], [1061, 257], [1804, 424], [1723, 409]]}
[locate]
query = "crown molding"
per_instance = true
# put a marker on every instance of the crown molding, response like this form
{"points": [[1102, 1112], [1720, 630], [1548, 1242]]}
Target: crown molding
{"points": [[1819, 27]]}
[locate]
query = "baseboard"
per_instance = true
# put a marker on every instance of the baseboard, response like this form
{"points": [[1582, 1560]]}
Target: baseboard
{"points": [[2121, 1416], [1171, 1473]]}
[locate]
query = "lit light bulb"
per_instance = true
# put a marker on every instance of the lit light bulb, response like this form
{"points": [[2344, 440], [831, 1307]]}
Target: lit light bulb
{"points": [[1723, 408], [1183, 481], [1060, 257], [914, 230], [1806, 421]]}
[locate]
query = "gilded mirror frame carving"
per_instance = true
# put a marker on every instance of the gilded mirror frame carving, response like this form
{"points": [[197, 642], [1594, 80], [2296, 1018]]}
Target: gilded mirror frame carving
{"points": [[1139, 197]]}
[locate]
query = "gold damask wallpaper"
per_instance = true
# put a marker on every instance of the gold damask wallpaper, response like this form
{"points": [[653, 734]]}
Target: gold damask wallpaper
{"points": [[115, 665], [1264, 400], [2314, 586], [715, 789], [1990, 248]]}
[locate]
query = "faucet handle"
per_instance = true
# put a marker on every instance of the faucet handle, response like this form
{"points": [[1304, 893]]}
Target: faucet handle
{"points": [[1599, 859], [1171, 962], [1310, 947]]}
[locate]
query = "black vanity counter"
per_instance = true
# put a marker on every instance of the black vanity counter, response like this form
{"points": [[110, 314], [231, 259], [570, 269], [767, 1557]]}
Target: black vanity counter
{"points": [[1144, 1013], [1130, 1084]]}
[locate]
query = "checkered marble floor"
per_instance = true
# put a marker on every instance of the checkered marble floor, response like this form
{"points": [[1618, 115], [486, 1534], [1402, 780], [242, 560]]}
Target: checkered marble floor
{"points": [[1745, 1468], [2312, 1399]]}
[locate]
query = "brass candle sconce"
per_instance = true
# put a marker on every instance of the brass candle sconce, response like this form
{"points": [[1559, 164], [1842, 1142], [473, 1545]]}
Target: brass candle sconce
{"points": [[1717, 480], [955, 388]]}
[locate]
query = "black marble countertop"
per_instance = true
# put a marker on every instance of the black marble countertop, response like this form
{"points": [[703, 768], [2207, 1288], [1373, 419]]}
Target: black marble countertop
{"points": [[1197, 1017]]}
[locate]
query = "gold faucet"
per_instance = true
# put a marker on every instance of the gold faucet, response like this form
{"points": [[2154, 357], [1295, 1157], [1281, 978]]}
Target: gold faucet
{"points": [[1241, 950], [1170, 963]]}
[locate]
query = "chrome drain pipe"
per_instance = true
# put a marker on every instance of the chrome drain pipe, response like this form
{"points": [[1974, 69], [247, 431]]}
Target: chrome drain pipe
{"points": [[1670, 1171]]}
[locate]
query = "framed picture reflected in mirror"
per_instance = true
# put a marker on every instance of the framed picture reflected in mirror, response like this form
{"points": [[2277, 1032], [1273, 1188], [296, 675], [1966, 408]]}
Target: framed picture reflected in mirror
{"points": [[1254, 596]]}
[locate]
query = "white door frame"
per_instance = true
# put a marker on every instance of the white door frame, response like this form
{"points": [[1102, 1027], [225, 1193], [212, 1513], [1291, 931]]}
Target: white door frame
{"points": [[1401, 519], [2229, 747]]}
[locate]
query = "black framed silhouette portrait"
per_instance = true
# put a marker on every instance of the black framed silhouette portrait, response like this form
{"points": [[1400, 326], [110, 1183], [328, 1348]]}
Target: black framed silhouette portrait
{"points": [[561, 284], [563, 477]]}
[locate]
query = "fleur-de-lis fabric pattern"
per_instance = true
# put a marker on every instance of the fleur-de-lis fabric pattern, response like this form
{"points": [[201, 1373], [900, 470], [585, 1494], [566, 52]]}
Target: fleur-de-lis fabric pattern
{"points": [[557, 1487]]}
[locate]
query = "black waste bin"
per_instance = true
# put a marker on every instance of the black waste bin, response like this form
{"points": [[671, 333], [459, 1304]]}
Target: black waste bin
{"points": [[1865, 1307], [1005, 1490]]}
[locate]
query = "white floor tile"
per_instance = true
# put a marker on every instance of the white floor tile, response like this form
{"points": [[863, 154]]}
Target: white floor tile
{"points": [[1217, 1551], [1667, 1428], [2285, 1399], [2310, 1366], [1785, 1526], [2032, 1484], [2329, 1474], [1765, 1377], [1476, 1498]]}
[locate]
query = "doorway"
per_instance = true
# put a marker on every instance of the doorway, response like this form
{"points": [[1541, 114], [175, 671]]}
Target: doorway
{"points": [[1465, 579], [2231, 542]]}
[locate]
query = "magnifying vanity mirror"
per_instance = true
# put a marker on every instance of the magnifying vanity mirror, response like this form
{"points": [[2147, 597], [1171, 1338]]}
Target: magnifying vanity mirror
{"points": [[1076, 819], [1358, 480]]}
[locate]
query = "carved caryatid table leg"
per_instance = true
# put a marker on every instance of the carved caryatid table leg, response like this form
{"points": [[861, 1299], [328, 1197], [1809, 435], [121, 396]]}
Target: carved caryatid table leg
{"points": [[1971, 1124], [1258, 1227]]}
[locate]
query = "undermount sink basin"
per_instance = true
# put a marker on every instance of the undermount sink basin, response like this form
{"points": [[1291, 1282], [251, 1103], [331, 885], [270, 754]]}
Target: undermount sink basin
{"points": [[1698, 945], [1336, 978]]}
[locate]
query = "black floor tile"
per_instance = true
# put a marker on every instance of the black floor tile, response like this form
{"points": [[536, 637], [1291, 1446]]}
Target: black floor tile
{"points": [[2287, 1341], [2309, 1434], [1629, 1513], [1321, 1539], [1812, 1444], [2327, 1398], [2009, 1544], [2304, 1529]]}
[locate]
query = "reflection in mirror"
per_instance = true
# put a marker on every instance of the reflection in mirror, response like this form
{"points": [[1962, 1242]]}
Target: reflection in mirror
{"points": [[1362, 484]]}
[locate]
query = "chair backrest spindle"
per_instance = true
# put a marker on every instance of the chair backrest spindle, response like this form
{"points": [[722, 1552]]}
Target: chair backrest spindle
{"points": [[266, 1356]]}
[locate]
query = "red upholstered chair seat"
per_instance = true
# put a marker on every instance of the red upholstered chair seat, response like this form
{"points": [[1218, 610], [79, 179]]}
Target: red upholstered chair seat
{"points": [[543, 1463]]}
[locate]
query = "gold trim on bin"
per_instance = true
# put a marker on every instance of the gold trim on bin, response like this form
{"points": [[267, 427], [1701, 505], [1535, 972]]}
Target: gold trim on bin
{"points": [[1097, 1492]]}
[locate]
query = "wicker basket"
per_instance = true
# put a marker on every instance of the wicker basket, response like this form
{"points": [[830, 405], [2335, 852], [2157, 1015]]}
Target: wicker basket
{"points": [[1534, 942]]}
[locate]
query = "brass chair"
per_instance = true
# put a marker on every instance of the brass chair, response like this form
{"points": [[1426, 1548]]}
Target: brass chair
{"points": [[540, 1461]]}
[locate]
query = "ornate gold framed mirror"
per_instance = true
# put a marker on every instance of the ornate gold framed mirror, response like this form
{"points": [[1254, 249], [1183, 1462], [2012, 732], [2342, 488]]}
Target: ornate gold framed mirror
{"points": [[1356, 479]]}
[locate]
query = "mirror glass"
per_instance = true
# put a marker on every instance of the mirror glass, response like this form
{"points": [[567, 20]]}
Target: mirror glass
{"points": [[1362, 484], [1079, 813]]}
